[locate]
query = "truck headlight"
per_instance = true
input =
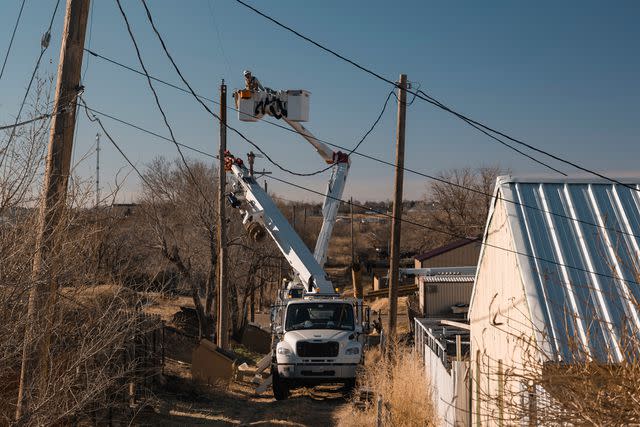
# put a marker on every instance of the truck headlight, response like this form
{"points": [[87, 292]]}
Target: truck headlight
{"points": [[353, 350], [284, 351]]}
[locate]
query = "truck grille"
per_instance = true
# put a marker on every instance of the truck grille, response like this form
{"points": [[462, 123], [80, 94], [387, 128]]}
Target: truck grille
{"points": [[317, 349]]}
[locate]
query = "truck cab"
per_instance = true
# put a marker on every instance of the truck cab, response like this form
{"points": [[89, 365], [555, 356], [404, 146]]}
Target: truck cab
{"points": [[317, 340]]}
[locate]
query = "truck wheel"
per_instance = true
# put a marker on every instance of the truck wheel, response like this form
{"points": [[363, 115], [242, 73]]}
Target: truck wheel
{"points": [[279, 387], [349, 386]]}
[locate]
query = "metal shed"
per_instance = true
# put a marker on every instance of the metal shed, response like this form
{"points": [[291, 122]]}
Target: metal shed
{"points": [[559, 268]]}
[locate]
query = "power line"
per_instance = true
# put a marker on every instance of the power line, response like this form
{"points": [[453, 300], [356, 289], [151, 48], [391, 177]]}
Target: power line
{"points": [[44, 44], [193, 93], [157, 135], [220, 44], [95, 119], [391, 164], [384, 107], [164, 82], [213, 101], [26, 122], [86, 67], [15, 27], [407, 221], [425, 97], [354, 150], [457, 236], [158, 104]]}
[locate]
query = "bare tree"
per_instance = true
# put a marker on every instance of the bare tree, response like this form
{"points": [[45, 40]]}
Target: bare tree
{"points": [[461, 209], [181, 218]]}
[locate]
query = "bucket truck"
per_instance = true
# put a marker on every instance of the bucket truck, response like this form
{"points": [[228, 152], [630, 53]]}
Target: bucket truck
{"points": [[317, 335]]}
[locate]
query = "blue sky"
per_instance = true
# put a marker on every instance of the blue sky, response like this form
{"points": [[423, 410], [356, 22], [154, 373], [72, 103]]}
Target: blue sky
{"points": [[560, 75]]}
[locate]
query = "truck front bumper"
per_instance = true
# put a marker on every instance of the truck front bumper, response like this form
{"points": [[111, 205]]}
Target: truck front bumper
{"points": [[327, 371]]}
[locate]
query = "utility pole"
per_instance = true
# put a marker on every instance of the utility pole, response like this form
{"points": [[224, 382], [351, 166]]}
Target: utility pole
{"points": [[394, 262], [223, 311], [293, 221], [353, 258], [41, 306], [97, 170], [265, 187], [356, 280]]}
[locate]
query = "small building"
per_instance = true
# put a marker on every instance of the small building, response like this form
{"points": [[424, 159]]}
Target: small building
{"points": [[454, 254], [556, 285], [444, 289], [445, 292]]}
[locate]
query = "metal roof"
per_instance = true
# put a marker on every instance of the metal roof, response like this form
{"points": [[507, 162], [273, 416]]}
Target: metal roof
{"points": [[446, 248], [578, 251], [448, 278]]}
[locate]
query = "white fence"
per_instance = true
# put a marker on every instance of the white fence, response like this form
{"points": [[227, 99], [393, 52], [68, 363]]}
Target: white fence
{"points": [[449, 380]]}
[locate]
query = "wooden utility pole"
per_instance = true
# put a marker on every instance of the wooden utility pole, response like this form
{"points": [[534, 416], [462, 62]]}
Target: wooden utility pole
{"points": [[41, 306], [356, 279], [222, 335], [265, 187], [293, 221], [97, 169], [394, 262], [304, 221], [353, 257]]}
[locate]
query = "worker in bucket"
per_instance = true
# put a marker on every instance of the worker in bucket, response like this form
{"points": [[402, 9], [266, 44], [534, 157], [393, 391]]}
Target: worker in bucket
{"points": [[251, 82]]}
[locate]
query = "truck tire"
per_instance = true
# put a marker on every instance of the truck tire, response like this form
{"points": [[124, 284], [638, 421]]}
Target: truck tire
{"points": [[279, 387], [349, 386]]}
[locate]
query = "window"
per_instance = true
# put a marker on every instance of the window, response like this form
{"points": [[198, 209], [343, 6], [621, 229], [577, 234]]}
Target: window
{"points": [[320, 316]]}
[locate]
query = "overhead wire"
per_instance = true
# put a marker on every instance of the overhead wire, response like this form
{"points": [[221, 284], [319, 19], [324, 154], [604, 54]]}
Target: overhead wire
{"points": [[375, 123], [361, 154], [208, 110], [220, 44], [451, 234], [44, 44], [428, 98], [95, 119], [13, 34], [26, 122], [158, 104], [147, 131], [86, 67], [410, 222]]}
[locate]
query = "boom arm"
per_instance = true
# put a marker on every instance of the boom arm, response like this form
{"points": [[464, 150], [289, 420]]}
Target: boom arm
{"points": [[261, 211], [335, 188], [277, 104]]}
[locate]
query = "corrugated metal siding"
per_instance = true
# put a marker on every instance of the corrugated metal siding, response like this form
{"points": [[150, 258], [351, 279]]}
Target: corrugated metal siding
{"points": [[448, 278], [464, 255], [436, 298], [584, 260]]}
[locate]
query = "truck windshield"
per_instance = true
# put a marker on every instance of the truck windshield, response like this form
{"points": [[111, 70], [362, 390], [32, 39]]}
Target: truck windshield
{"points": [[320, 316]]}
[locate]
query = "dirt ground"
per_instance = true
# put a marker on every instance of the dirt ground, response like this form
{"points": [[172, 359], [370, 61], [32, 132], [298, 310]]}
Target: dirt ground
{"points": [[181, 403]]}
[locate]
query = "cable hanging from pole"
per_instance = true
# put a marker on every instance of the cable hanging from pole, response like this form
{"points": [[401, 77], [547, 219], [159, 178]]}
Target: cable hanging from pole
{"points": [[390, 164], [410, 222], [429, 99], [208, 110]]}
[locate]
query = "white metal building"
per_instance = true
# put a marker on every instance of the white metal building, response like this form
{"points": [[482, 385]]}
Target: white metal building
{"points": [[557, 281]]}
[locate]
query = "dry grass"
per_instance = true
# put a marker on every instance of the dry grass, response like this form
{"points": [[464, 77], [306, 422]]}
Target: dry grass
{"points": [[383, 304], [405, 391]]}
